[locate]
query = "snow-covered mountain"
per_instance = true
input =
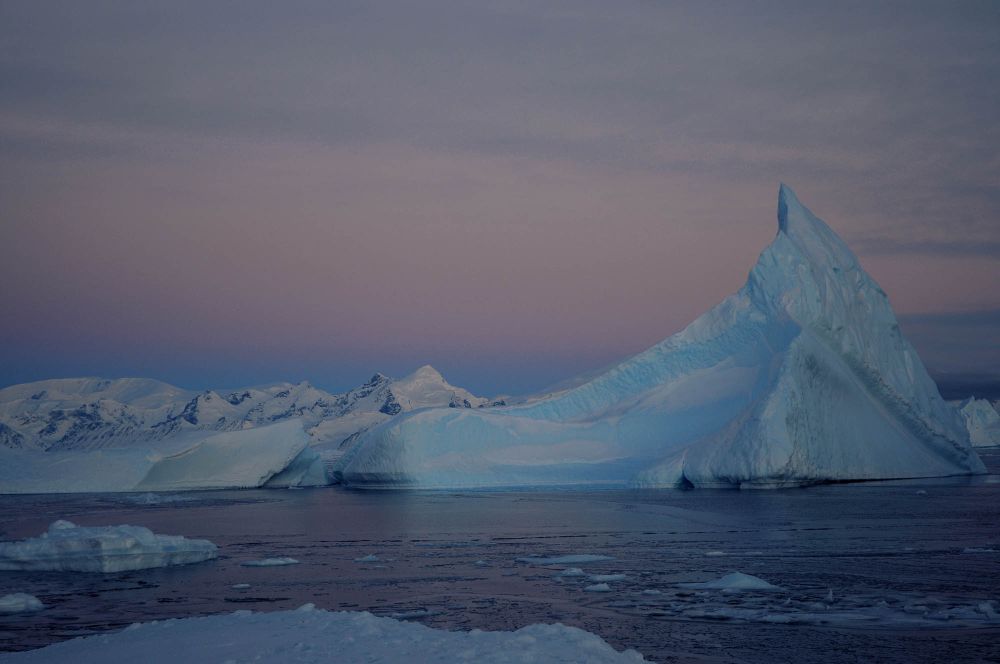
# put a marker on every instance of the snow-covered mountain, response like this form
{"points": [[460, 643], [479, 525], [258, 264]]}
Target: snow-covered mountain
{"points": [[800, 377], [93, 413], [91, 434]]}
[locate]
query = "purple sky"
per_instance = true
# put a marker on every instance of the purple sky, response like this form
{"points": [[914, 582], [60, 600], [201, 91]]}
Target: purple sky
{"points": [[217, 194]]}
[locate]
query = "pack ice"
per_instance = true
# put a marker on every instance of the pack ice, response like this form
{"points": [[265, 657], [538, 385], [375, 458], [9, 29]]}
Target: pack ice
{"points": [[71, 548], [800, 377]]}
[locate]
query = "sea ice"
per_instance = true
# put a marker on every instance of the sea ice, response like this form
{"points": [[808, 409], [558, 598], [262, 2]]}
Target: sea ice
{"points": [[67, 547], [598, 588], [599, 578], [571, 572], [370, 558], [734, 581], [310, 635], [20, 603], [803, 376], [270, 562], [564, 560]]}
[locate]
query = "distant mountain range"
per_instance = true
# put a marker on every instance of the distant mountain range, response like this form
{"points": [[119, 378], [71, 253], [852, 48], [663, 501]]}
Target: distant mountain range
{"points": [[78, 414]]}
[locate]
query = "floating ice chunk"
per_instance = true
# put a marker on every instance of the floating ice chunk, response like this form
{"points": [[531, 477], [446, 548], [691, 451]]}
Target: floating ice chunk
{"points": [[651, 591], [20, 603], [713, 554], [481, 563], [270, 562], [829, 597], [315, 635], [370, 558], [415, 614], [71, 548], [601, 578], [564, 560], [240, 586], [734, 581], [973, 549], [571, 572], [598, 588], [157, 499], [921, 492]]}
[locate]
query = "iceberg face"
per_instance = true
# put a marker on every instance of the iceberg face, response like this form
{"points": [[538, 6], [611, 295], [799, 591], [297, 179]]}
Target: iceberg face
{"points": [[982, 420], [800, 377], [66, 547]]}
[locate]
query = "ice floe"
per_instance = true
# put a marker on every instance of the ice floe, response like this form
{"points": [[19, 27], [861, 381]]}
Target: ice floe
{"points": [[270, 562], [68, 547], [572, 559], [20, 603], [736, 581]]}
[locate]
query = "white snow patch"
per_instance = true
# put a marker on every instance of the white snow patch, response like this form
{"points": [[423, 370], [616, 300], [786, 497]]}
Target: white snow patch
{"points": [[311, 635], [67, 547]]}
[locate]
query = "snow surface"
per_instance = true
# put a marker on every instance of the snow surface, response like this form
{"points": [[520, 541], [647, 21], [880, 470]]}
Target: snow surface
{"points": [[982, 420], [311, 635], [800, 377], [734, 581], [71, 548], [20, 603]]}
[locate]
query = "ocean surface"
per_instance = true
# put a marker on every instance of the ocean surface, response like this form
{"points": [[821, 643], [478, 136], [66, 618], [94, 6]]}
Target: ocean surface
{"points": [[904, 571]]}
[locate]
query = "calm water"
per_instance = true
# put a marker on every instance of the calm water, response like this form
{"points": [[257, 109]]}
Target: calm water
{"points": [[914, 567]]}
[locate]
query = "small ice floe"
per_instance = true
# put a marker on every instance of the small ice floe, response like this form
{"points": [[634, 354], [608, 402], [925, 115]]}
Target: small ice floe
{"points": [[157, 498], [973, 549], [715, 554], [370, 558], [240, 586], [572, 559], [570, 572], [20, 603], [650, 591], [416, 614], [829, 597], [270, 562], [67, 547], [602, 578], [481, 563], [598, 588], [921, 492], [737, 581]]}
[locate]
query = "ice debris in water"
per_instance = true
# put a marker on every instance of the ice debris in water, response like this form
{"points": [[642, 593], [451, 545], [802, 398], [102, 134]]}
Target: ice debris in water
{"points": [[734, 581], [598, 588], [600, 578], [370, 558], [240, 586], [564, 560], [270, 562], [310, 635], [20, 603], [68, 547], [571, 572]]}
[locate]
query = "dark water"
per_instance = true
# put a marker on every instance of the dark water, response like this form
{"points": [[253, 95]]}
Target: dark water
{"points": [[914, 567]]}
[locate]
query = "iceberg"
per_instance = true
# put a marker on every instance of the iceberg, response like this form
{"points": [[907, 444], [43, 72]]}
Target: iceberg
{"points": [[982, 420], [66, 547], [800, 377], [735, 581], [309, 635]]}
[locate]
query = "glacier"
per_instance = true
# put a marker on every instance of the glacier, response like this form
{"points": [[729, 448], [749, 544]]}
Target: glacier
{"points": [[275, 456], [800, 377], [66, 547]]}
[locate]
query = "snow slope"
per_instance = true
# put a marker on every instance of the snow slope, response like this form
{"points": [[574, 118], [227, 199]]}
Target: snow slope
{"points": [[800, 377], [309, 635], [982, 420]]}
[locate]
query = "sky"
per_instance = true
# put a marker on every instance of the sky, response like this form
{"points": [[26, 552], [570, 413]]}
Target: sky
{"points": [[220, 194]]}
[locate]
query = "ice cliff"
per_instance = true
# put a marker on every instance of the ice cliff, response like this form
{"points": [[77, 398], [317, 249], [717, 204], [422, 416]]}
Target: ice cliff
{"points": [[800, 377]]}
